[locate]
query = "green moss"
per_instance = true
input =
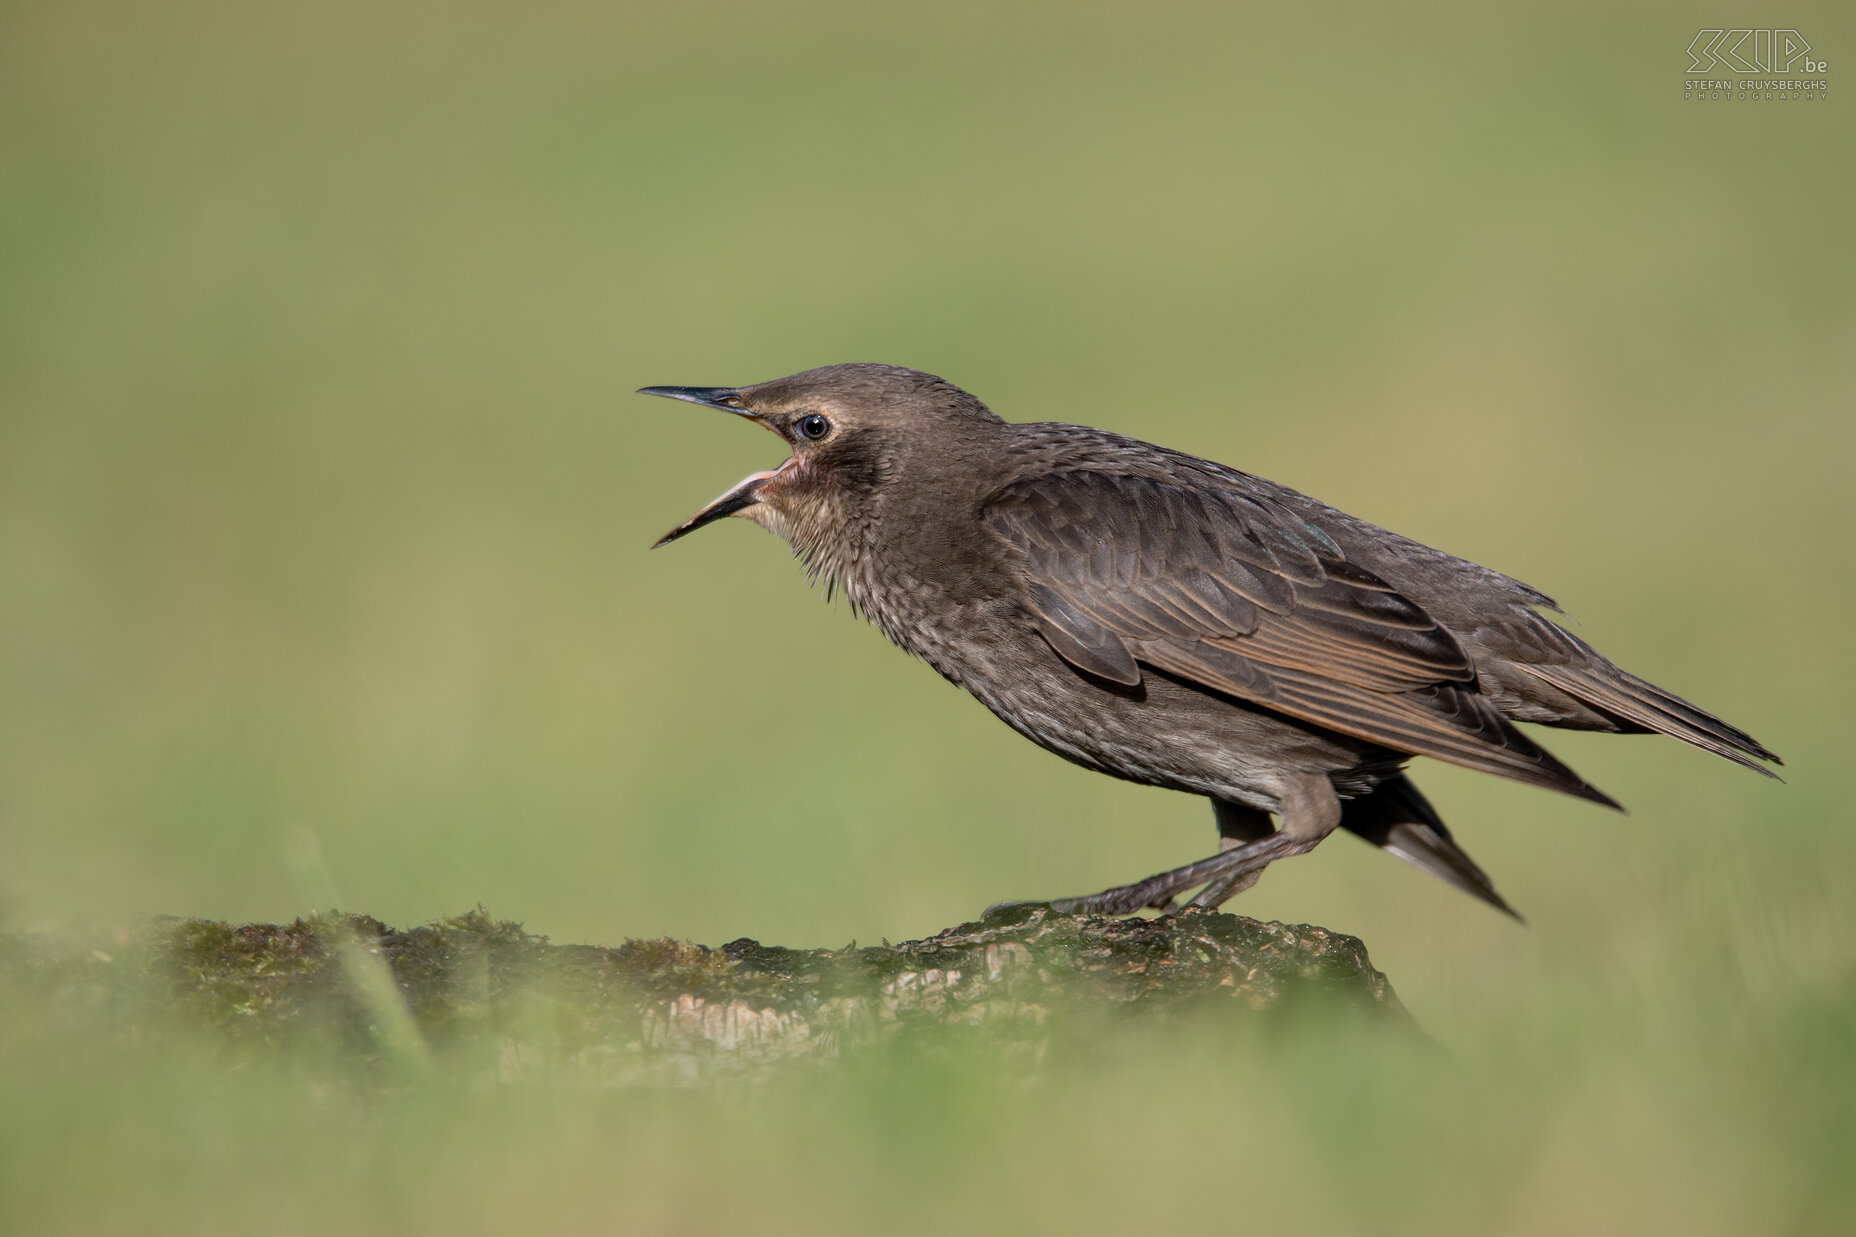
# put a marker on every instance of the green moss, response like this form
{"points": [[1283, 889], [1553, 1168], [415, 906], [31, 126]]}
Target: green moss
{"points": [[478, 993]]}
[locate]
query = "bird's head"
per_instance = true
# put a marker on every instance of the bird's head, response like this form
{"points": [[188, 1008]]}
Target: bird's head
{"points": [[853, 432]]}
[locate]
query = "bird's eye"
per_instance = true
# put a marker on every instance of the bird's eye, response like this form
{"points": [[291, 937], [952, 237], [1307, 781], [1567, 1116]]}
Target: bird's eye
{"points": [[813, 427]]}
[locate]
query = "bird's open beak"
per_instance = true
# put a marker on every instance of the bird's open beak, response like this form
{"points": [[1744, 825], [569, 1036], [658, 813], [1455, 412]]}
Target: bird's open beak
{"points": [[739, 497], [742, 495]]}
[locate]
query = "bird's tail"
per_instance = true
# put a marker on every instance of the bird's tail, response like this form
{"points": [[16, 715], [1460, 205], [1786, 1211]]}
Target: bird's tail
{"points": [[1642, 707], [1399, 820]]}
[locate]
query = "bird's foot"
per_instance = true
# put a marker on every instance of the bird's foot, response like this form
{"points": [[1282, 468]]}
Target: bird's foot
{"points": [[1224, 874], [1103, 903], [1121, 900]]}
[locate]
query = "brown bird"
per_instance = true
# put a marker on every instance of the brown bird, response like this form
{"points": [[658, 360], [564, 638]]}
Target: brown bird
{"points": [[1178, 623]]}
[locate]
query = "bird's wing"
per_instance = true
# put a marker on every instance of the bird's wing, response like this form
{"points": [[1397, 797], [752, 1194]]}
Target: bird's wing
{"points": [[1238, 594]]}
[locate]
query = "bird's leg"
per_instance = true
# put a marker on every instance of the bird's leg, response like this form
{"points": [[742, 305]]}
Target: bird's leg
{"points": [[1238, 825], [1154, 893], [1222, 889], [1223, 874], [1310, 811], [1218, 893]]}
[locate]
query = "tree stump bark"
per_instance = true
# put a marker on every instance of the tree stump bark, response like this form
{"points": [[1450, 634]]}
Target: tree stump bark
{"points": [[476, 994]]}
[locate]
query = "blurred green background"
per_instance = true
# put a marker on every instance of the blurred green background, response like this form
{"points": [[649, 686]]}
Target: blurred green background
{"points": [[324, 504]]}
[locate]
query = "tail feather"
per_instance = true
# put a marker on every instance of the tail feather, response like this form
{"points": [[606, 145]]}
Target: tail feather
{"points": [[1645, 706], [1398, 819]]}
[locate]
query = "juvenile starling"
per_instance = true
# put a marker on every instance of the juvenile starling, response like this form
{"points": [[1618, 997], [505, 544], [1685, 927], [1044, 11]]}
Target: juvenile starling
{"points": [[1177, 623]]}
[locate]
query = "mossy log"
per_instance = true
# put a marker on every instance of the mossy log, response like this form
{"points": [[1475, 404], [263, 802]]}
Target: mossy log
{"points": [[477, 994]]}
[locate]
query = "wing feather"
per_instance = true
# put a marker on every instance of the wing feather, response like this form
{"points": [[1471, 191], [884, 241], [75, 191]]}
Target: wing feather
{"points": [[1244, 597]]}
